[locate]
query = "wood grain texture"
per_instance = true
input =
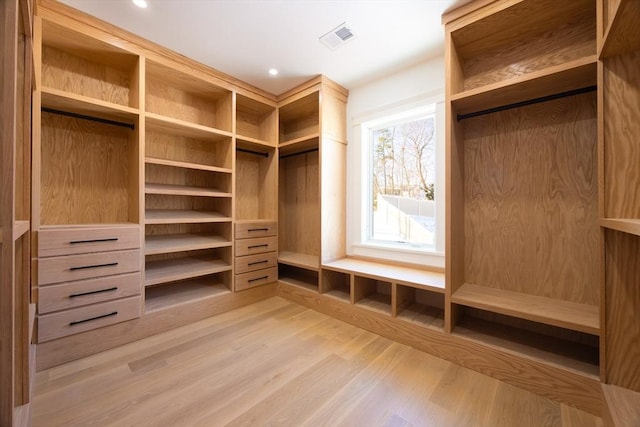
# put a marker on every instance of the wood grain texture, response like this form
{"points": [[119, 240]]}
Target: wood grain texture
{"points": [[299, 205], [277, 363], [79, 192], [256, 194], [184, 267], [621, 129], [623, 405], [536, 375], [185, 292], [631, 226], [255, 119], [622, 275], [531, 200], [622, 35], [333, 198], [299, 117], [56, 241], [336, 284]]}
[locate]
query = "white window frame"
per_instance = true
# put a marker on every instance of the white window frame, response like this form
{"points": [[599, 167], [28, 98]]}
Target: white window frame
{"points": [[359, 191]]}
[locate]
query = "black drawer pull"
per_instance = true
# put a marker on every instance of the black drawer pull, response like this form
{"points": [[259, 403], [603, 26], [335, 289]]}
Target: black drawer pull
{"points": [[258, 246], [93, 318], [259, 229], [258, 262], [108, 239], [115, 288], [84, 267], [258, 278]]}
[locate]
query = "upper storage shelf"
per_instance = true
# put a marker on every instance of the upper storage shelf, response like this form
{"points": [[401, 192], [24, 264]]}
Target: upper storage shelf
{"points": [[256, 122], [81, 65], [622, 34], [300, 119], [524, 51], [174, 94]]}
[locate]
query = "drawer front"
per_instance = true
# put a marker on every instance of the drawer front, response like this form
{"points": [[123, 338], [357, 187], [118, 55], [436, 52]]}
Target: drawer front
{"points": [[256, 246], [85, 292], [69, 322], [248, 230], [79, 267], [256, 278], [81, 240], [244, 264]]}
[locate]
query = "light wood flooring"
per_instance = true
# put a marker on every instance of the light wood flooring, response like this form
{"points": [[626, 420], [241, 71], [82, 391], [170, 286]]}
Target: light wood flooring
{"points": [[276, 363]]}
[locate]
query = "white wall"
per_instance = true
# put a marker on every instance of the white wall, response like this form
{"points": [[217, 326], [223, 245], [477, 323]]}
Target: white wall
{"points": [[414, 85]]}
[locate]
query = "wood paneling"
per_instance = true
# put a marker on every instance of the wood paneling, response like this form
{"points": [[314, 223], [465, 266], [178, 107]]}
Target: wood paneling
{"points": [[622, 278], [333, 223], [531, 200]]}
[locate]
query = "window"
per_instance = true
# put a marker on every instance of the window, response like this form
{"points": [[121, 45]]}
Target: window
{"points": [[395, 192]]}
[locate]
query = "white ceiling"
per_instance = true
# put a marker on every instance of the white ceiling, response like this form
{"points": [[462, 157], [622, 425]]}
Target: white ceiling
{"points": [[244, 38]]}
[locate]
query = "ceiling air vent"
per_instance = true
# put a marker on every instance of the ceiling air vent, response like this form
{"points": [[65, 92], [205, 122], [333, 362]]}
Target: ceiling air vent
{"points": [[337, 37]]}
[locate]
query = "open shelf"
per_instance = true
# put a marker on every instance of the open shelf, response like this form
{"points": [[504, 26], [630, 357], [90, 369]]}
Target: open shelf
{"points": [[372, 294], [626, 225], [300, 117], [569, 355], [429, 280], [624, 405], [308, 262], [564, 314], [299, 145], [20, 228], [163, 271], [183, 190], [578, 74], [300, 277], [77, 104], [185, 165], [179, 293], [178, 216], [177, 127], [169, 243], [622, 35], [419, 306], [336, 285], [255, 121]]}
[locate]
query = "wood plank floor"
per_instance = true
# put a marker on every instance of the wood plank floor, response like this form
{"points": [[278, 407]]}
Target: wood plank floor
{"points": [[276, 363]]}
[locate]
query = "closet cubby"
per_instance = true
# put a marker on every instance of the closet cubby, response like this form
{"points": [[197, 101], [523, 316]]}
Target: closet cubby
{"points": [[256, 122], [302, 277], [175, 95], [523, 51], [162, 297], [299, 119], [76, 67], [621, 33], [336, 284], [256, 196], [419, 306], [372, 294]]}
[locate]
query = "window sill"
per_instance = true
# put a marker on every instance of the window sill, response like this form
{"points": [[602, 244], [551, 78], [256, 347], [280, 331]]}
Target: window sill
{"points": [[423, 257]]}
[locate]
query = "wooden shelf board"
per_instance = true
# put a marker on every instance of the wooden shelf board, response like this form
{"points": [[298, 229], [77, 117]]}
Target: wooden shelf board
{"points": [[168, 243], [338, 294], [296, 281], [423, 315], [183, 128], [79, 104], [168, 296], [304, 143], [186, 165], [376, 302], [177, 216], [20, 228], [623, 404], [564, 314], [573, 75], [183, 190], [249, 143], [308, 262], [626, 225], [623, 34], [413, 277], [571, 356], [163, 271]]}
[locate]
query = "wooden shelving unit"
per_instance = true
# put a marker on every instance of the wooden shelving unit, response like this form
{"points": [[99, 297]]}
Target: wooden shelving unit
{"points": [[179, 216], [186, 165], [169, 243], [163, 271], [308, 262], [631, 226], [622, 35], [186, 292], [414, 304], [183, 190]]}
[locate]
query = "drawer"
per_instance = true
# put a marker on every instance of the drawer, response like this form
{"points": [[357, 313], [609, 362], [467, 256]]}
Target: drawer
{"points": [[69, 322], [256, 278], [85, 292], [250, 229], [56, 241], [248, 263], [256, 246], [79, 267]]}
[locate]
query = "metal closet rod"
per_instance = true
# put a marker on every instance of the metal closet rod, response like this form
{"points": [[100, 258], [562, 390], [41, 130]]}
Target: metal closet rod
{"points": [[299, 153], [257, 153], [85, 117], [528, 102]]}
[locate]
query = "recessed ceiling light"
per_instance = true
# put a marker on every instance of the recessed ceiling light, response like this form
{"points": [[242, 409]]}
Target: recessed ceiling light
{"points": [[273, 72], [140, 3]]}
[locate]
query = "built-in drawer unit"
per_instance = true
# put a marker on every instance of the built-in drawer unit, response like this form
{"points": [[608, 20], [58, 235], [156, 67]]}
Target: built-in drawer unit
{"points": [[88, 277], [256, 253]]}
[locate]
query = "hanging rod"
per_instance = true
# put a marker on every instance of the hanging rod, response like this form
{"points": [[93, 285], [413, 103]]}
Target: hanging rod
{"points": [[299, 153], [85, 117], [528, 102], [257, 153]]}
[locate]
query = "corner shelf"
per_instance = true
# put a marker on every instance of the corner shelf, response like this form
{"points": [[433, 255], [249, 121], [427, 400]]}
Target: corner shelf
{"points": [[185, 165], [307, 262], [626, 225], [171, 270], [180, 216], [183, 190], [623, 33], [564, 314], [169, 243], [159, 298]]}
